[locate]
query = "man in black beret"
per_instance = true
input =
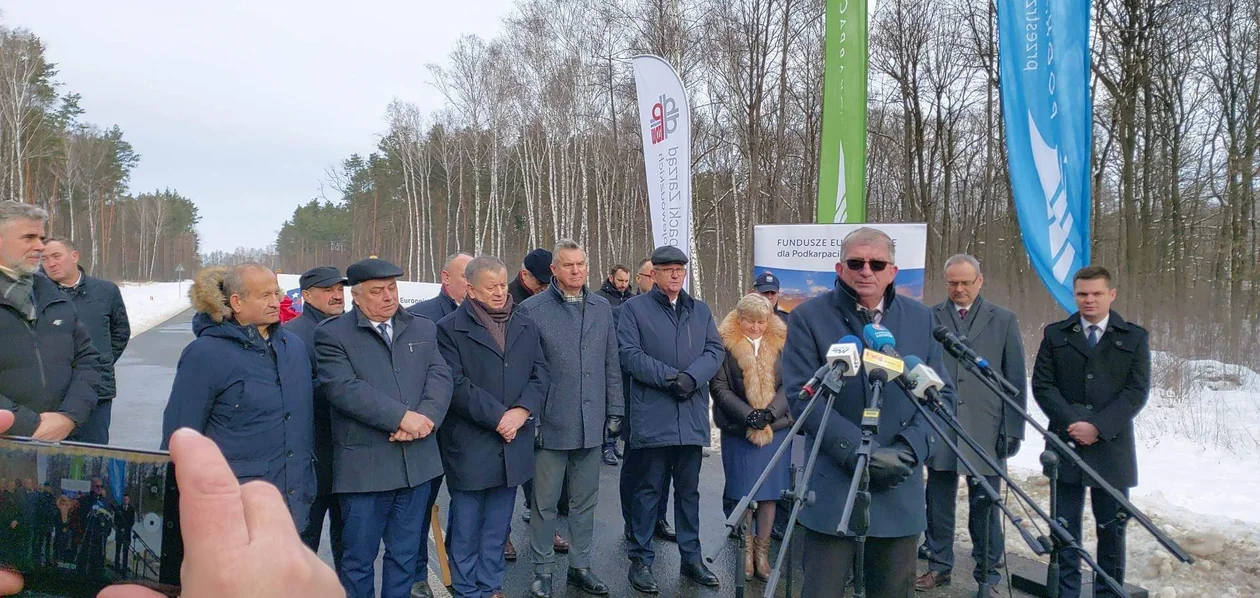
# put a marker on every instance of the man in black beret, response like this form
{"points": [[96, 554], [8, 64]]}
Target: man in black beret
{"points": [[323, 296], [379, 366], [670, 348]]}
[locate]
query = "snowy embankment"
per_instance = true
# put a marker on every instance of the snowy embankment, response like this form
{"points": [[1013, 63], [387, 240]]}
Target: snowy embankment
{"points": [[1199, 478], [151, 303]]}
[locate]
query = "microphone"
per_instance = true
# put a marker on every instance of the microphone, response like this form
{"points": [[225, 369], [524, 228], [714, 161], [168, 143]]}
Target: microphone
{"points": [[842, 357], [957, 348], [883, 363], [923, 381]]}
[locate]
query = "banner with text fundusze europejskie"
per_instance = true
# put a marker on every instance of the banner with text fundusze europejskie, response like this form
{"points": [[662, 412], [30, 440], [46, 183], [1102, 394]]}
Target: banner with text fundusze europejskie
{"points": [[665, 119], [1044, 55]]}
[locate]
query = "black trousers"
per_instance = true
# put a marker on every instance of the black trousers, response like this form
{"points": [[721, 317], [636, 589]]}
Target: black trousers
{"points": [[890, 565], [324, 503], [648, 470], [942, 488], [626, 488], [1110, 530]]}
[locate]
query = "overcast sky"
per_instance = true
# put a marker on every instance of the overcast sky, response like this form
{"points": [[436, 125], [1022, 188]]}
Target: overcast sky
{"points": [[243, 105]]}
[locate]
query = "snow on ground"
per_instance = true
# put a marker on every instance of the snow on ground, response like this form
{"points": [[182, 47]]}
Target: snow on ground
{"points": [[151, 303]]}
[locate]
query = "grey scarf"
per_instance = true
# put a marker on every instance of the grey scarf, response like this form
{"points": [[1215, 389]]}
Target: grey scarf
{"points": [[20, 292], [495, 320]]}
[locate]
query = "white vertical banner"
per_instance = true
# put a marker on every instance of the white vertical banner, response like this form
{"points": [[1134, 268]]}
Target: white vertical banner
{"points": [[665, 119]]}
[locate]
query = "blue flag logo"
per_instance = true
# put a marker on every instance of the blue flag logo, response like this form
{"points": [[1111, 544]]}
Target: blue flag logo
{"points": [[1044, 61]]}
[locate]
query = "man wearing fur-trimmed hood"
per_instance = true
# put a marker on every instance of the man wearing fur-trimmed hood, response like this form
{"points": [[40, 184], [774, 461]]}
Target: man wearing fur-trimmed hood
{"points": [[245, 382]]}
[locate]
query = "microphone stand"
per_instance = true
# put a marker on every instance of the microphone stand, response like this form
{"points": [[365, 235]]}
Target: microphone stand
{"points": [[1063, 539], [799, 496], [857, 505]]}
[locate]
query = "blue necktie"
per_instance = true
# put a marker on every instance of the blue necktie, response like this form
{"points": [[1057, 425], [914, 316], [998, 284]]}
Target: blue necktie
{"points": [[389, 342], [1093, 337]]}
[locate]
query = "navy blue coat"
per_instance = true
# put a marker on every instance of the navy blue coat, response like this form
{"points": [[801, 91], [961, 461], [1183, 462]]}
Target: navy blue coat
{"points": [[101, 309], [434, 308], [657, 341], [488, 382], [371, 386], [1106, 386], [304, 327], [46, 365], [256, 407], [812, 327]]}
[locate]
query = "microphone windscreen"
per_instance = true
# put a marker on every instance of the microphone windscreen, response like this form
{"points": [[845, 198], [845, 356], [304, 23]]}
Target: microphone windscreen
{"points": [[940, 333], [851, 339], [877, 337]]}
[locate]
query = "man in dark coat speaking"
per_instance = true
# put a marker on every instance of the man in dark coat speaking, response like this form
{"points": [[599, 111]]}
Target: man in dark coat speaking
{"points": [[670, 349], [864, 294], [389, 389], [1091, 378], [323, 296], [245, 383]]}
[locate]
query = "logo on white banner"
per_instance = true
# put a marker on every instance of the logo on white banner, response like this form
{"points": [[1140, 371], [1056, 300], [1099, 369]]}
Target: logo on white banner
{"points": [[664, 119]]}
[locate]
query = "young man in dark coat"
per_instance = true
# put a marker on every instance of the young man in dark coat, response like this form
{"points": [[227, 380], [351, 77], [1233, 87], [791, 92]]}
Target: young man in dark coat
{"points": [[49, 370], [864, 294], [390, 389], [1091, 378], [670, 347], [101, 309], [245, 383], [583, 404], [500, 373], [323, 296], [994, 333], [616, 287]]}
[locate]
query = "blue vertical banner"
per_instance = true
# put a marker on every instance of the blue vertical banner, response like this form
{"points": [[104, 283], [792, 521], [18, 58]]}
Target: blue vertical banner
{"points": [[1043, 48]]}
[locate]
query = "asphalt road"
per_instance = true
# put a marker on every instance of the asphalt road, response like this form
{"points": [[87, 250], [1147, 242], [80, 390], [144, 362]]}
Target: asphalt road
{"points": [[144, 380]]}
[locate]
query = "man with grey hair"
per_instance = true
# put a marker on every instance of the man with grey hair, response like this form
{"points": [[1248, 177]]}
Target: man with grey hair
{"points": [[49, 369], [994, 333], [864, 294], [584, 405]]}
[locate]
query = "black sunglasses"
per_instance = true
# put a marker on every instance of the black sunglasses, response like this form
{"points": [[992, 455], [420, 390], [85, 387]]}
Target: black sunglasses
{"points": [[856, 265]]}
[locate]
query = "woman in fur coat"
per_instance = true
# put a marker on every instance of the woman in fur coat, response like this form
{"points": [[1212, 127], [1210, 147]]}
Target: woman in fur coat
{"points": [[752, 413]]}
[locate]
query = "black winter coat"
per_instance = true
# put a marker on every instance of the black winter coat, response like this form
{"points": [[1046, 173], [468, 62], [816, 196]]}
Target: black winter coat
{"points": [[101, 309], [434, 308], [49, 364], [488, 382], [304, 327], [614, 297], [1106, 386]]}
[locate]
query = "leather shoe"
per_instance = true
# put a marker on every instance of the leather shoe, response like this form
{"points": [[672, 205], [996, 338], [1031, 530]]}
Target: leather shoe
{"points": [[509, 552], [559, 544], [642, 579], [420, 589], [610, 457], [932, 580], [992, 593], [586, 581], [541, 588], [924, 553], [665, 531], [699, 573]]}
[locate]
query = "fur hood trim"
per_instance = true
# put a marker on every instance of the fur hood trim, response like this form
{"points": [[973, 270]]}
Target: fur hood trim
{"points": [[207, 294]]}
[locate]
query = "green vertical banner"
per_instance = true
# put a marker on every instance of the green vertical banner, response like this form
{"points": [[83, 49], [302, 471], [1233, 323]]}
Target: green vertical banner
{"points": [[842, 175]]}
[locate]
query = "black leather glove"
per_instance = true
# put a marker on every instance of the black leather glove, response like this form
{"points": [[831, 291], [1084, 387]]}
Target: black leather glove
{"points": [[612, 426], [890, 466], [759, 419], [682, 386], [1007, 446]]}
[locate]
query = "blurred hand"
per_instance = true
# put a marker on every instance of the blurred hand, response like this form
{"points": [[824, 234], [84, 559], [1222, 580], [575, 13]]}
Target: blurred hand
{"points": [[1007, 447], [416, 424], [401, 435], [53, 427], [10, 581], [1084, 433], [511, 422], [239, 541]]}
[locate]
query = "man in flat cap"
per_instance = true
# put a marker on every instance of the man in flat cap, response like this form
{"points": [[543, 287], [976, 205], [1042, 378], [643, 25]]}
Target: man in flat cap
{"points": [[670, 348], [767, 285], [323, 296], [389, 389]]}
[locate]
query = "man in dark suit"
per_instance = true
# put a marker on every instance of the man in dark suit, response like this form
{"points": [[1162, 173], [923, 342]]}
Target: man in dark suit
{"points": [[500, 375], [994, 333], [1091, 378], [389, 388], [864, 294], [323, 296], [669, 345]]}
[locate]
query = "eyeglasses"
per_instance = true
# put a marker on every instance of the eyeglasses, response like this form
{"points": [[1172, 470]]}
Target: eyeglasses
{"points": [[960, 284], [856, 265], [672, 271], [642, 275]]}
